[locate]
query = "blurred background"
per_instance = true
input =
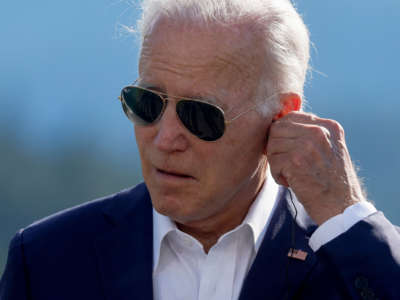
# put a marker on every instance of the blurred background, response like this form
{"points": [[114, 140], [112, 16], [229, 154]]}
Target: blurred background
{"points": [[64, 139]]}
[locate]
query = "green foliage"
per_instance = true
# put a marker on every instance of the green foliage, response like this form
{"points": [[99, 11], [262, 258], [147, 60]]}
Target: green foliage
{"points": [[34, 185]]}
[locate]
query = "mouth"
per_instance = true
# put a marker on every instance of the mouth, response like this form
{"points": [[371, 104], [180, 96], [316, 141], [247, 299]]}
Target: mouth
{"points": [[174, 174]]}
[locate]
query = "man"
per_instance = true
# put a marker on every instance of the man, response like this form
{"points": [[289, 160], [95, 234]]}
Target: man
{"points": [[218, 124]]}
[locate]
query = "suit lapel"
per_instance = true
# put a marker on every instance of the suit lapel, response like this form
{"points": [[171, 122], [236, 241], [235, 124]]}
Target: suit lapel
{"points": [[125, 252], [273, 275]]}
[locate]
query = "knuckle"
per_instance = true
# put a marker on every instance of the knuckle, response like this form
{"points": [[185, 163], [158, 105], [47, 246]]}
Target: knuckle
{"points": [[325, 131], [297, 159], [277, 128], [308, 145], [302, 116], [335, 127], [295, 114], [318, 131], [312, 117], [321, 133]]}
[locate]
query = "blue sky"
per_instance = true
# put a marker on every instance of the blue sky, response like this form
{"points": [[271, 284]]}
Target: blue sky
{"points": [[63, 63]]}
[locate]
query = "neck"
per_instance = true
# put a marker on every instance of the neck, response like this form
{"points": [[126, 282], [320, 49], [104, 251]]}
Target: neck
{"points": [[207, 232]]}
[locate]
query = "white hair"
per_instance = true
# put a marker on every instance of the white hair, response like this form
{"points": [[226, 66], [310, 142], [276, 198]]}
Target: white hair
{"points": [[283, 37]]}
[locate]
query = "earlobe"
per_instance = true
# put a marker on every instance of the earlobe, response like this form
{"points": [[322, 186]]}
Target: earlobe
{"points": [[289, 102]]}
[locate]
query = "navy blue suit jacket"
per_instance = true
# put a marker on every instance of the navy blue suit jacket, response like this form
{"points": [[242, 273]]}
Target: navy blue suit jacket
{"points": [[104, 250]]}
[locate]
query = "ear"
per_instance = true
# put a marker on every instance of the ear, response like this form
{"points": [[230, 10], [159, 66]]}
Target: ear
{"points": [[289, 102]]}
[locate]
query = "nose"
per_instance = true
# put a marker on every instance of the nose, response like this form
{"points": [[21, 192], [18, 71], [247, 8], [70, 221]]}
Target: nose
{"points": [[171, 135]]}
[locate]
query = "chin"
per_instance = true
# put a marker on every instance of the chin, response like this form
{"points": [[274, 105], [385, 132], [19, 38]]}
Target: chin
{"points": [[168, 206], [175, 209]]}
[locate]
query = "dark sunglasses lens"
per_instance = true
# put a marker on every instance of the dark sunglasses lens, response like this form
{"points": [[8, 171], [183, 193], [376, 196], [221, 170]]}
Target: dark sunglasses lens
{"points": [[144, 107], [203, 120]]}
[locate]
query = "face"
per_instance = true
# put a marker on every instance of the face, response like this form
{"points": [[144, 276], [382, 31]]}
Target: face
{"points": [[191, 180]]}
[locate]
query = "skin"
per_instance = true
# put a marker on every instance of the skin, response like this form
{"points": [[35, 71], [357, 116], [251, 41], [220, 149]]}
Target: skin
{"points": [[310, 155], [208, 187], [225, 175]]}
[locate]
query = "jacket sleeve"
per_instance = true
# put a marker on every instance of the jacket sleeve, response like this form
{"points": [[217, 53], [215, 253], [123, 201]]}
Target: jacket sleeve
{"points": [[14, 283], [366, 259]]}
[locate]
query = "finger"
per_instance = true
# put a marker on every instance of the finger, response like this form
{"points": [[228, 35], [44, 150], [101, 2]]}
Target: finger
{"points": [[298, 149], [297, 162], [288, 129], [300, 117], [335, 128], [277, 145], [279, 163]]}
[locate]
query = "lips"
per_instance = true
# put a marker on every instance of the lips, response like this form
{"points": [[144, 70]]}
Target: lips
{"points": [[173, 173]]}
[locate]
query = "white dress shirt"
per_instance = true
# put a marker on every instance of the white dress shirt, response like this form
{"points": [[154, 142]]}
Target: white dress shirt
{"points": [[183, 271]]}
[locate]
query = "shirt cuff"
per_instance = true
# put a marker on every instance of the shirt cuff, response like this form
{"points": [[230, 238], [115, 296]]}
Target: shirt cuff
{"points": [[339, 224]]}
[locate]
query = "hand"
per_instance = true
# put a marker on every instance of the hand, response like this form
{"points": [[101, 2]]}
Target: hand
{"points": [[309, 154]]}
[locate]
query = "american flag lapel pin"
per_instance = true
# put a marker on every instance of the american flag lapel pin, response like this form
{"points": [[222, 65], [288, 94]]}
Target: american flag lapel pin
{"points": [[297, 254]]}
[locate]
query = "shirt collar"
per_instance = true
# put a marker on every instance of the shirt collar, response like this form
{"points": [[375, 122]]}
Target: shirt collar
{"points": [[259, 214], [162, 225], [258, 218]]}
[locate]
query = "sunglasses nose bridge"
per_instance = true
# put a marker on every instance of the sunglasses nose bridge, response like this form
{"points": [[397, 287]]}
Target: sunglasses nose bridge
{"points": [[166, 99]]}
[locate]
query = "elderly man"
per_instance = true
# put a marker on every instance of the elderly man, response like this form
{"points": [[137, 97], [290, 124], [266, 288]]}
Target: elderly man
{"points": [[245, 197]]}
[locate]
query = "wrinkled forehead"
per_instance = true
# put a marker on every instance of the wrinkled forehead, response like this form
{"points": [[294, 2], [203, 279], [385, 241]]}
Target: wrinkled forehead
{"points": [[212, 58]]}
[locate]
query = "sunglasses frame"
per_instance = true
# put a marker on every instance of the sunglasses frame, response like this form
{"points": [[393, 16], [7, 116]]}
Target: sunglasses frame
{"points": [[165, 98]]}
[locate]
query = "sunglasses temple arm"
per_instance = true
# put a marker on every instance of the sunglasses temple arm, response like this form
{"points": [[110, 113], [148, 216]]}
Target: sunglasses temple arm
{"points": [[250, 109], [241, 114]]}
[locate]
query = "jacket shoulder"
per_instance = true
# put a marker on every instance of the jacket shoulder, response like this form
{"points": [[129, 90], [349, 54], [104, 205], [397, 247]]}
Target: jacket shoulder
{"points": [[87, 218]]}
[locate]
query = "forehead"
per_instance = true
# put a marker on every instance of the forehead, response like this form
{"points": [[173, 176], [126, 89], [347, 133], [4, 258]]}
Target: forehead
{"points": [[190, 60]]}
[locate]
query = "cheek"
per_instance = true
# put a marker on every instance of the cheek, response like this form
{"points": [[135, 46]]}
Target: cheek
{"points": [[143, 141], [245, 153], [144, 137], [247, 138], [234, 162]]}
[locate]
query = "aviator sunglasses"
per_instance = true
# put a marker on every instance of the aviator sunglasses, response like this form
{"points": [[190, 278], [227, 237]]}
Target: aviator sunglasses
{"points": [[205, 120]]}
